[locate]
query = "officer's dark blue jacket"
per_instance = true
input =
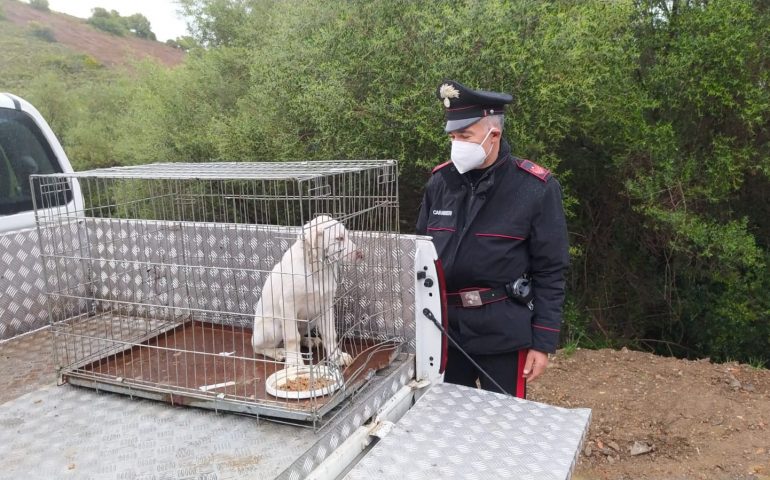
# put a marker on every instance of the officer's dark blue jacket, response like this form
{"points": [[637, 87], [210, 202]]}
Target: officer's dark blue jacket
{"points": [[488, 234]]}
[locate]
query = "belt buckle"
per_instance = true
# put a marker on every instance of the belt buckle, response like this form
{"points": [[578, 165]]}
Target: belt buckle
{"points": [[471, 298]]}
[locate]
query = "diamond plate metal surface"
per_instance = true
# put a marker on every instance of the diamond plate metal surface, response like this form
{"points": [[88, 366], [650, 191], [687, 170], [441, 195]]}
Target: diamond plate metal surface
{"points": [[466, 433], [92, 268], [68, 432], [215, 268], [23, 306], [215, 272], [352, 416], [23, 285], [222, 272]]}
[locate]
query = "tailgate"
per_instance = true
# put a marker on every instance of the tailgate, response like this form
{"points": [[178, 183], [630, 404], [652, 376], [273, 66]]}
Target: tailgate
{"points": [[459, 432]]}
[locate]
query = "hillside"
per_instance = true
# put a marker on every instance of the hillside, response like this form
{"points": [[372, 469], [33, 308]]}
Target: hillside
{"points": [[80, 37], [663, 418]]}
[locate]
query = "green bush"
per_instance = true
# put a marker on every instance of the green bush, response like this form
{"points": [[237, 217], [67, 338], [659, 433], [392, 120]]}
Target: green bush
{"points": [[185, 43], [112, 22], [655, 117], [39, 31], [39, 4], [109, 25]]}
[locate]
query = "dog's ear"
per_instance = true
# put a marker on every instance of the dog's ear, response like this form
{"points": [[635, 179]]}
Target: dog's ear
{"points": [[310, 242], [312, 235]]}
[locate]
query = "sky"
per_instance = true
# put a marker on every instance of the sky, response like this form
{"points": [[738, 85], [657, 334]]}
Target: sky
{"points": [[165, 21]]}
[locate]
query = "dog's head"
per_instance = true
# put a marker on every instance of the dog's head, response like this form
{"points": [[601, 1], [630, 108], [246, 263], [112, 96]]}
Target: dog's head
{"points": [[328, 240]]}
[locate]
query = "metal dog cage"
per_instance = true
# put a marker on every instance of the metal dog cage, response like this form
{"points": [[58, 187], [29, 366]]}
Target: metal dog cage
{"points": [[162, 267]]}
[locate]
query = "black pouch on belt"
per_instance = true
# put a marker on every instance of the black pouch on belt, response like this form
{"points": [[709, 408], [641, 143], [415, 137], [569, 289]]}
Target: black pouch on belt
{"points": [[521, 291]]}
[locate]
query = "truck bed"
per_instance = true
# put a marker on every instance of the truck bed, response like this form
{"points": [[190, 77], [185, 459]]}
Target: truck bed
{"points": [[50, 432]]}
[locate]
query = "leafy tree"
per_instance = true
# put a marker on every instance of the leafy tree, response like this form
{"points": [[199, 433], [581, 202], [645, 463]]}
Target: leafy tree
{"points": [[139, 25], [705, 67], [226, 22], [185, 43], [653, 113], [110, 22]]}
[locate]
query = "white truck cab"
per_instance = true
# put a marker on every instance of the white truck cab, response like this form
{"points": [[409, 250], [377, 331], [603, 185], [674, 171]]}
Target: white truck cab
{"points": [[27, 146]]}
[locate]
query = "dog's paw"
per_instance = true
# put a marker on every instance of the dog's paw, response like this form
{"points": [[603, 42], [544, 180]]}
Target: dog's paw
{"points": [[312, 342], [342, 359], [278, 354], [293, 360]]}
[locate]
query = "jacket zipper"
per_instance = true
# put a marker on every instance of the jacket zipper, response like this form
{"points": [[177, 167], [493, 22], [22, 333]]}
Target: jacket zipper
{"points": [[470, 206], [466, 220]]}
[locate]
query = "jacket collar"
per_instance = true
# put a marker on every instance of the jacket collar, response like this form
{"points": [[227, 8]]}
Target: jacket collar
{"points": [[487, 179], [505, 151]]}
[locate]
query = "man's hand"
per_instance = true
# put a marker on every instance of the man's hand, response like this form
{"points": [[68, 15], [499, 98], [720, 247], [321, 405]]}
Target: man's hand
{"points": [[535, 364]]}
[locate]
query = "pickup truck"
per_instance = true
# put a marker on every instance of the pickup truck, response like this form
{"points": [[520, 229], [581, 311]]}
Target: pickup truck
{"points": [[405, 423], [27, 146]]}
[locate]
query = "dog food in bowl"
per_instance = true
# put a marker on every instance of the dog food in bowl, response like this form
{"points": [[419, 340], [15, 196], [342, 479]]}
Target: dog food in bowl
{"points": [[302, 382]]}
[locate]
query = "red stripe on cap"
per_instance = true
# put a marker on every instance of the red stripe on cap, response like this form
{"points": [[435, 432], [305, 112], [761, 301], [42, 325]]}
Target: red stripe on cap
{"points": [[461, 108]]}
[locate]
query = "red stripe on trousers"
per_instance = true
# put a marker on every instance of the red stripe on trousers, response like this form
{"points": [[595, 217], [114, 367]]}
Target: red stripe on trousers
{"points": [[521, 382]]}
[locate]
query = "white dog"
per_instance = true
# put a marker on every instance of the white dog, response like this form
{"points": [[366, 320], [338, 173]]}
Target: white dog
{"points": [[301, 288]]}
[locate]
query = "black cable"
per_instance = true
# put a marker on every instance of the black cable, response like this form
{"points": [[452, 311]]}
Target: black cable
{"points": [[429, 315]]}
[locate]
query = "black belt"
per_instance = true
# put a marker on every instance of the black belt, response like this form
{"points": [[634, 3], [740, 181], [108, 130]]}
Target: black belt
{"points": [[476, 298]]}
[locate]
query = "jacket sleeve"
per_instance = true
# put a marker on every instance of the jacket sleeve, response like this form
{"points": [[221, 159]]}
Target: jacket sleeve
{"points": [[422, 217], [549, 260]]}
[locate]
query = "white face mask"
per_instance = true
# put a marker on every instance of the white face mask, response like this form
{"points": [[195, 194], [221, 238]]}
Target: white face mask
{"points": [[467, 156]]}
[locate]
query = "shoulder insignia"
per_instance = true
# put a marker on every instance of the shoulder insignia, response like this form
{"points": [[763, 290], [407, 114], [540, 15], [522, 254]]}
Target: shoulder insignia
{"points": [[534, 169], [439, 167]]}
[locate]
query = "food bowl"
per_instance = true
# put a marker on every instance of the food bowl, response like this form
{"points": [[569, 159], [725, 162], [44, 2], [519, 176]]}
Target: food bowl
{"points": [[295, 382]]}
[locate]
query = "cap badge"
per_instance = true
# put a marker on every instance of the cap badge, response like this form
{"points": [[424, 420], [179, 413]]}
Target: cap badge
{"points": [[446, 92]]}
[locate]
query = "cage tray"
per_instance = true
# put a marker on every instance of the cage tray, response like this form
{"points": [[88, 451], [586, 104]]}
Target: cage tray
{"points": [[214, 366]]}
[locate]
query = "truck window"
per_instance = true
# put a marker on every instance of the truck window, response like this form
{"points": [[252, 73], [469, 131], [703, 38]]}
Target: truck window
{"points": [[24, 151]]}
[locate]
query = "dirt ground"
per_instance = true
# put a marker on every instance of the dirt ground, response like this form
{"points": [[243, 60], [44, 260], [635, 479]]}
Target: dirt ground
{"points": [[663, 418], [75, 33]]}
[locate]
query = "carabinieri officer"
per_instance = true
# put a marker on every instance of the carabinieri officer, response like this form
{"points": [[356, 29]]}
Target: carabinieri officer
{"points": [[498, 226]]}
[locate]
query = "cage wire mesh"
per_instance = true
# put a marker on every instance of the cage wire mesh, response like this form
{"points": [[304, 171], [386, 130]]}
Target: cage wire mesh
{"points": [[263, 288]]}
